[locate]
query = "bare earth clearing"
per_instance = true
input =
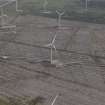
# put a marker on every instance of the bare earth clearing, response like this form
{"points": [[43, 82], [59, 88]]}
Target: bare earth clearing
{"points": [[26, 74]]}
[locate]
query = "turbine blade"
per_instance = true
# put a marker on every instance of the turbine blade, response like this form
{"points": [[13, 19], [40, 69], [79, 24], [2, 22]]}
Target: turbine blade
{"points": [[54, 39], [54, 100], [48, 45], [62, 13], [57, 12], [5, 57], [54, 48]]}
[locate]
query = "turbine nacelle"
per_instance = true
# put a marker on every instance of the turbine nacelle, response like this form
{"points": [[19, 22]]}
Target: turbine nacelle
{"points": [[60, 13], [52, 44]]}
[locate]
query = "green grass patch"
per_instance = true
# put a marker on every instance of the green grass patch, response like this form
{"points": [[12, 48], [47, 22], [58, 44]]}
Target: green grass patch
{"points": [[4, 102], [22, 101]]}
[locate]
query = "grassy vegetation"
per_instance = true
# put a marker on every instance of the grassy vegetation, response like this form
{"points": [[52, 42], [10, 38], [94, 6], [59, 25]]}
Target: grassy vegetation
{"points": [[21, 101], [4, 102]]}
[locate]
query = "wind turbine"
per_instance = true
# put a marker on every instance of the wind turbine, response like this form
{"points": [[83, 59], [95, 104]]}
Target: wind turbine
{"points": [[4, 20], [3, 17], [60, 14], [53, 102], [86, 4], [17, 7], [52, 46], [45, 3]]}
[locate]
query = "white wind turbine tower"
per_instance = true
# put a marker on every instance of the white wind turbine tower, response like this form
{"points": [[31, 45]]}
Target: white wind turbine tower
{"points": [[3, 16], [52, 46], [4, 19], [60, 14], [86, 4], [45, 3], [17, 5]]}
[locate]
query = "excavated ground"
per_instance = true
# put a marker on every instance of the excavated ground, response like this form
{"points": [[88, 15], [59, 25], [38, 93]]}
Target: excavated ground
{"points": [[79, 78]]}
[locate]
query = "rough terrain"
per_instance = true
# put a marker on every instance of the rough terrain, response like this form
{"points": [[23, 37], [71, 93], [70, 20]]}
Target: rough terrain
{"points": [[80, 49]]}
